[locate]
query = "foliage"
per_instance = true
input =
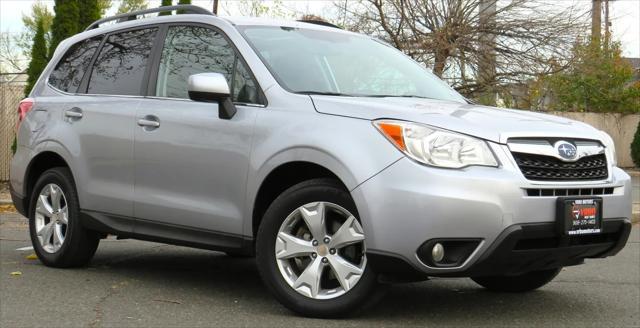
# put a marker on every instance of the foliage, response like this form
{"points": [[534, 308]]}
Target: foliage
{"points": [[14, 145], [89, 11], [65, 22], [39, 12], [132, 5], [165, 3], [38, 58], [475, 45], [20, 45], [257, 8], [597, 80], [635, 147], [104, 5], [183, 2]]}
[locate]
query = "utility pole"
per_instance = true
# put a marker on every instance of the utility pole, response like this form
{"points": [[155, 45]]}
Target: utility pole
{"points": [[596, 21], [215, 7], [607, 25], [487, 61]]}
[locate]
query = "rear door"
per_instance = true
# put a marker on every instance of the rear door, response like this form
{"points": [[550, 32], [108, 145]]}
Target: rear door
{"points": [[191, 166], [102, 116]]}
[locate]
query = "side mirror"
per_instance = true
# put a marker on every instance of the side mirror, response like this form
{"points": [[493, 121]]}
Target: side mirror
{"points": [[212, 87]]}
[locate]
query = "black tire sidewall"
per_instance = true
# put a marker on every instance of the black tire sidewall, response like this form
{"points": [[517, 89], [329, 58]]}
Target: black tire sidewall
{"points": [[285, 204], [76, 236]]}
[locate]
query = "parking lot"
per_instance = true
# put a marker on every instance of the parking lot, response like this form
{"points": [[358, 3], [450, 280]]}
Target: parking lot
{"points": [[134, 283]]}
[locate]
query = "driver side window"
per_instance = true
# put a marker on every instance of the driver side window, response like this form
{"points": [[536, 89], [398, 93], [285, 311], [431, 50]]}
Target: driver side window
{"points": [[191, 50]]}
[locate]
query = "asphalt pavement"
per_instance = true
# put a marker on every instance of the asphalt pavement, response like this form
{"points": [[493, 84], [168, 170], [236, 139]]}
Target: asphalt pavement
{"points": [[132, 283]]}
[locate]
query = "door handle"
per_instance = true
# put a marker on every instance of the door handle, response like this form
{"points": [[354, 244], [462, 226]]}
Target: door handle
{"points": [[149, 122], [74, 112]]}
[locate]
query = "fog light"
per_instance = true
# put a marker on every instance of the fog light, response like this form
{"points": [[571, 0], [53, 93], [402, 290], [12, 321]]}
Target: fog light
{"points": [[437, 252]]}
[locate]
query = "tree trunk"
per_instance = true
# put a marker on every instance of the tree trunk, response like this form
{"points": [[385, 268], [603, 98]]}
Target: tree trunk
{"points": [[440, 61]]}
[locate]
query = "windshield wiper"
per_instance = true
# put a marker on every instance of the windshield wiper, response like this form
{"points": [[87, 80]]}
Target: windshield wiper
{"points": [[324, 93]]}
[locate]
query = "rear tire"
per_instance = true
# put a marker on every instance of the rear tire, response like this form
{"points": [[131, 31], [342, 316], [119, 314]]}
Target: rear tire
{"points": [[324, 294], [518, 284], [57, 235]]}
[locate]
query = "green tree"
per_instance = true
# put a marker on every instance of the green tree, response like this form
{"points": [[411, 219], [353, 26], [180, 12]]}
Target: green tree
{"points": [[635, 147], [65, 22], [164, 4], [38, 58], [89, 11], [183, 2], [132, 5], [14, 145], [598, 80], [39, 12], [104, 5]]}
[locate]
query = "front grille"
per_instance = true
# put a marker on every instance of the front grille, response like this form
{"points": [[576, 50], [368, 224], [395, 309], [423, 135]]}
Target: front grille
{"points": [[546, 168]]}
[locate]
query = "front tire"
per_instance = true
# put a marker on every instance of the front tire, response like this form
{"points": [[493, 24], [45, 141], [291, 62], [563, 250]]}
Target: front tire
{"points": [[57, 235], [310, 251], [518, 284]]}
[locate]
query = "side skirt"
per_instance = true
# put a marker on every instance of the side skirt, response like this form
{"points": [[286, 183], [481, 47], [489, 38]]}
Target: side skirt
{"points": [[134, 228]]}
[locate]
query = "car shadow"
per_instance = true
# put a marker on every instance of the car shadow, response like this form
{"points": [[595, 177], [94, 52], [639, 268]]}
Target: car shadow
{"points": [[208, 275]]}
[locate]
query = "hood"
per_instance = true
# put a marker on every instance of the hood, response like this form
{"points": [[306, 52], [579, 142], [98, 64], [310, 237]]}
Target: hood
{"points": [[490, 123]]}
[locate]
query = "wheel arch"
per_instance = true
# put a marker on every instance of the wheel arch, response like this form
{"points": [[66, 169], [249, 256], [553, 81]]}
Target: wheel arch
{"points": [[43, 161], [283, 177]]}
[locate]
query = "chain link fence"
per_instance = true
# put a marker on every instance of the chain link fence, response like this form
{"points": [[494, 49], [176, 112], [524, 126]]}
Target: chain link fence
{"points": [[11, 92]]}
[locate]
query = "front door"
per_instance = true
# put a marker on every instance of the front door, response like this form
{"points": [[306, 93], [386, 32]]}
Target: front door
{"points": [[190, 165]]}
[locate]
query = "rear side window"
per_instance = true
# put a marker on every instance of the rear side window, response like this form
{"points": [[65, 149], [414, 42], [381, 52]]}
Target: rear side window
{"points": [[68, 74], [122, 62]]}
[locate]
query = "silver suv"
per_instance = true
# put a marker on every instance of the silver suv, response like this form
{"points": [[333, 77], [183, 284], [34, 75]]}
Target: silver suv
{"points": [[333, 158]]}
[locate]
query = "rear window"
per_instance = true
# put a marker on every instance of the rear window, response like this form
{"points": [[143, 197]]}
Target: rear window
{"points": [[122, 62], [68, 74]]}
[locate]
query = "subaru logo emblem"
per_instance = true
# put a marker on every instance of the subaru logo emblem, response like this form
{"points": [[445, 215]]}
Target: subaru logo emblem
{"points": [[566, 150]]}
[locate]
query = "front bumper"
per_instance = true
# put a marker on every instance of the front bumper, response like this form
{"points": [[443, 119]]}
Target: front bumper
{"points": [[408, 204]]}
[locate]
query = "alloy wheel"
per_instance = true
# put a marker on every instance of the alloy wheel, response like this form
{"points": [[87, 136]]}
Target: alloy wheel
{"points": [[51, 218], [320, 250]]}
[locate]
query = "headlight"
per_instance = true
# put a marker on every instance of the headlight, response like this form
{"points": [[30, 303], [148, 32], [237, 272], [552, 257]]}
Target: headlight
{"points": [[609, 148], [436, 147]]}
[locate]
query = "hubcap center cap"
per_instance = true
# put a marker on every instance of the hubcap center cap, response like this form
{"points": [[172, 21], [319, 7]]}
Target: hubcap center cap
{"points": [[323, 250]]}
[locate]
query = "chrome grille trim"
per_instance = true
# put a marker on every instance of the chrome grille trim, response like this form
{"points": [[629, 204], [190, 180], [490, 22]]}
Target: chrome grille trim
{"points": [[540, 162], [545, 147]]}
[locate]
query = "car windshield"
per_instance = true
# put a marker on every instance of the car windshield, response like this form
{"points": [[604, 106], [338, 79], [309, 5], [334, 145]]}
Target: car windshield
{"points": [[322, 62]]}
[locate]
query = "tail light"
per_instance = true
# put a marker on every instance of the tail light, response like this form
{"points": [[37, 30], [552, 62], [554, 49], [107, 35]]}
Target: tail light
{"points": [[23, 108]]}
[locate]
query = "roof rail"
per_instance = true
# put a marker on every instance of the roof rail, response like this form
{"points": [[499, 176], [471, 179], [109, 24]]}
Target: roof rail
{"points": [[189, 9], [318, 22]]}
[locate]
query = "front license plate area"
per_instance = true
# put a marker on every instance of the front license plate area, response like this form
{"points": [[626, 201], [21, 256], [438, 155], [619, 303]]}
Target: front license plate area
{"points": [[579, 215]]}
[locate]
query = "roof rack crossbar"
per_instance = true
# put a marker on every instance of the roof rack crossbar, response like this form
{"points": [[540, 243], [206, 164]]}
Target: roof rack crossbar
{"points": [[189, 9]]}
